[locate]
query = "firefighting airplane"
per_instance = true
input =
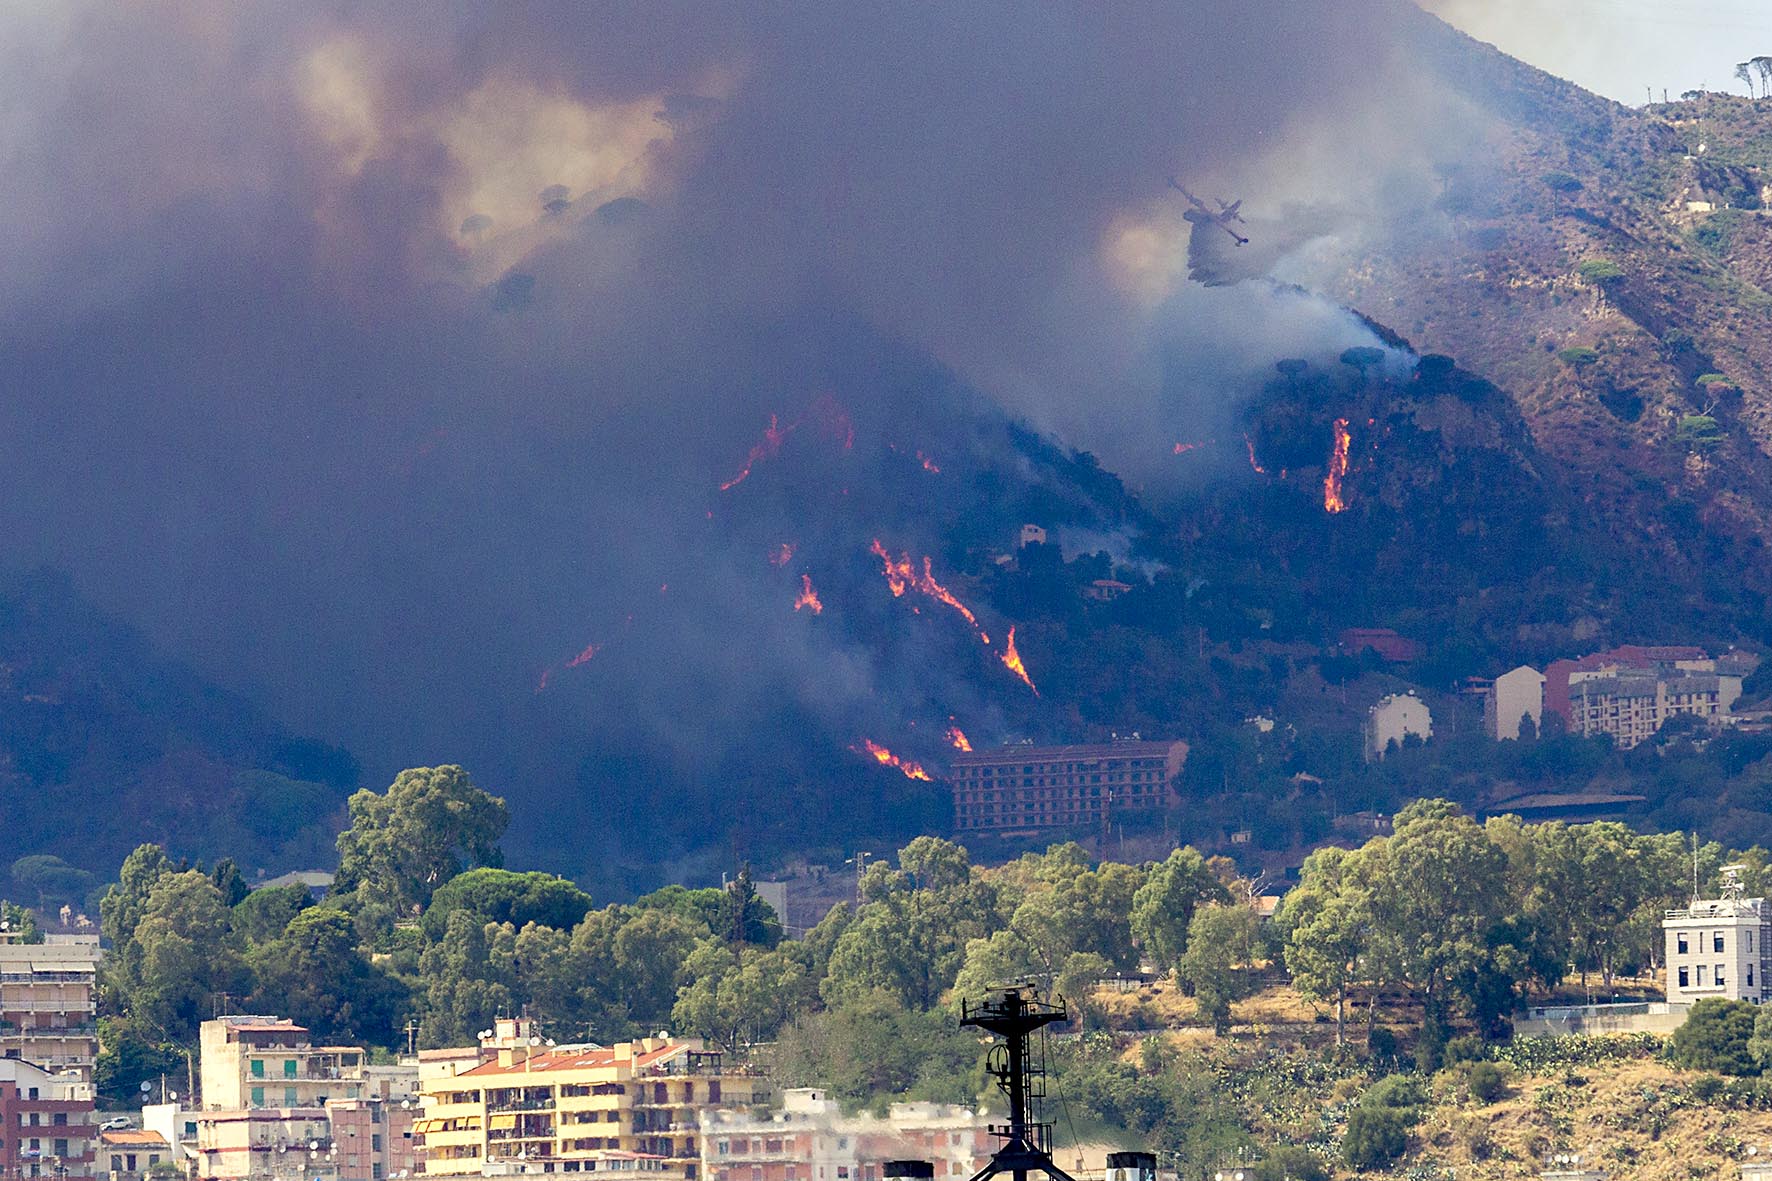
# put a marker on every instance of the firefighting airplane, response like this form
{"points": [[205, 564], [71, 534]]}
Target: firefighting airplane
{"points": [[1201, 213]]}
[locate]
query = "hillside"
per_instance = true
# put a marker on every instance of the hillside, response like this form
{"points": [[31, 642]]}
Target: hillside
{"points": [[106, 743]]}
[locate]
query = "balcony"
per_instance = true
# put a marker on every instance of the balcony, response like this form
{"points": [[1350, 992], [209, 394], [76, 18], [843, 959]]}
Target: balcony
{"points": [[522, 1105]]}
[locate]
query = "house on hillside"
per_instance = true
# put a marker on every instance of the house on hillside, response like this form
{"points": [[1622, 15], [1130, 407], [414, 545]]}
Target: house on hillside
{"points": [[1512, 698], [1394, 719]]}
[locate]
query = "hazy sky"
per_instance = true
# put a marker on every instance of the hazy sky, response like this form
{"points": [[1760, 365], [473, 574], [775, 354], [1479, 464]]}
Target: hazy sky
{"points": [[1620, 47]]}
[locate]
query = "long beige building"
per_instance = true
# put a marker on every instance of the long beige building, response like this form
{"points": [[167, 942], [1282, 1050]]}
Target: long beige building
{"points": [[1032, 787], [630, 1107], [47, 1014], [256, 1061]]}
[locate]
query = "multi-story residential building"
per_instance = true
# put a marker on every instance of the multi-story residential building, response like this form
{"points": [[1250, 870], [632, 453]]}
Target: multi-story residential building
{"points": [[47, 1128], [46, 1002], [265, 1144], [127, 1154], [1027, 787], [252, 1061], [1719, 947], [374, 1133], [633, 1106], [1396, 718], [1511, 699], [1632, 706], [810, 1139]]}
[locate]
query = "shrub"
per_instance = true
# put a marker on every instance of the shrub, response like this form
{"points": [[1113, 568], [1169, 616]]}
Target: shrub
{"points": [[1707, 1086], [1561, 182], [1291, 1163], [1487, 1081], [1382, 1043], [1578, 356], [1715, 1036], [1394, 1090], [1376, 1136], [1466, 1048], [1600, 271]]}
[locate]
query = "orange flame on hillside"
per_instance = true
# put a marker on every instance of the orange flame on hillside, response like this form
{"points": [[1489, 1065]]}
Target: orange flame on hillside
{"points": [[1250, 443], [590, 650], [929, 465], [1184, 448], [886, 758], [773, 438], [902, 576], [1012, 661], [1332, 501], [958, 740], [784, 553], [807, 596]]}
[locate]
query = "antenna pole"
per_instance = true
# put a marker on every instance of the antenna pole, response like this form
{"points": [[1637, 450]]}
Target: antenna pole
{"points": [[1013, 1014]]}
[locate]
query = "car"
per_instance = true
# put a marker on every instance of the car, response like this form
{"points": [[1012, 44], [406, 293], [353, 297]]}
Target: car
{"points": [[114, 1123]]}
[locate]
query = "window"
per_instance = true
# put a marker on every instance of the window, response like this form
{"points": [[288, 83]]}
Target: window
{"points": [[1720, 977], [375, 1142], [258, 1068], [32, 1094], [1750, 975], [1750, 941], [61, 1148], [289, 1068], [60, 1119], [116, 1164], [1684, 982], [131, 1159], [375, 1171], [1717, 941], [714, 1084], [258, 1096], [289, 1096]]}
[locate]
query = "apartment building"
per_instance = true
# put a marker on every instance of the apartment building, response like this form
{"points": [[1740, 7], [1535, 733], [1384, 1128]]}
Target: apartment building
{"points": [[265, 1144], [46, 1001], [1632, 706], [810, 1139], [257, 1061], [1032, 787], [47, 1126], [1512, 699], [630, 1107], [374, 1132], [1719, 947]]}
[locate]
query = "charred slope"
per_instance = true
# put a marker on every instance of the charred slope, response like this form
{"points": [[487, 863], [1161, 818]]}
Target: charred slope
{"points": [[106, 743]]}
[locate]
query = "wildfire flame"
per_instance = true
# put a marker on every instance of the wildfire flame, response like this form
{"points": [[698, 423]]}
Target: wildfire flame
{"points": [[773, 438], [958, 740], [590, 650], [886, 758], [902, 576], [1184, 448], [784, 553], [1332, 501], [1250, 443], [1012, 662], [807, 596], [929, 465]]}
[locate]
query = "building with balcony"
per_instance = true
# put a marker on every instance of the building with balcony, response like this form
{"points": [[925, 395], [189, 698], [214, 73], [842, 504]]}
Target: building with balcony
{"points": [[265, 1144], [633, 1106], [253, 1061], [46, 1001], [810, 1139], [374, 1132], [1631, 706], [128, 1153], [1031, 787], [1718, 947], [47, 1126]]}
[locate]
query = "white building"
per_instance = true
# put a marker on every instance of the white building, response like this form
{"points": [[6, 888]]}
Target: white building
{"points": [[1392, 720], [1718, 947], [1513, 697]]}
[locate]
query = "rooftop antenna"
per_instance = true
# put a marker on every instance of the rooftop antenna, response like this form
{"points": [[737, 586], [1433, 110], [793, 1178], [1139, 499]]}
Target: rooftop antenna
{"points": [[1695, 866], [1013, 1013]]}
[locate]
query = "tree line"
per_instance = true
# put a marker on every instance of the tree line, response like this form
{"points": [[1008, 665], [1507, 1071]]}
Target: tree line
{"points": [[424, 925]]}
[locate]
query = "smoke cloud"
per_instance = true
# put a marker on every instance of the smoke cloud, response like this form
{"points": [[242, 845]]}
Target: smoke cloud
{"points": [[381, 358]]}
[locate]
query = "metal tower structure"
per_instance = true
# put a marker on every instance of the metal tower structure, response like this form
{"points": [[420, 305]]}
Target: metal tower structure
{"points": [[1013, 1014]]}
